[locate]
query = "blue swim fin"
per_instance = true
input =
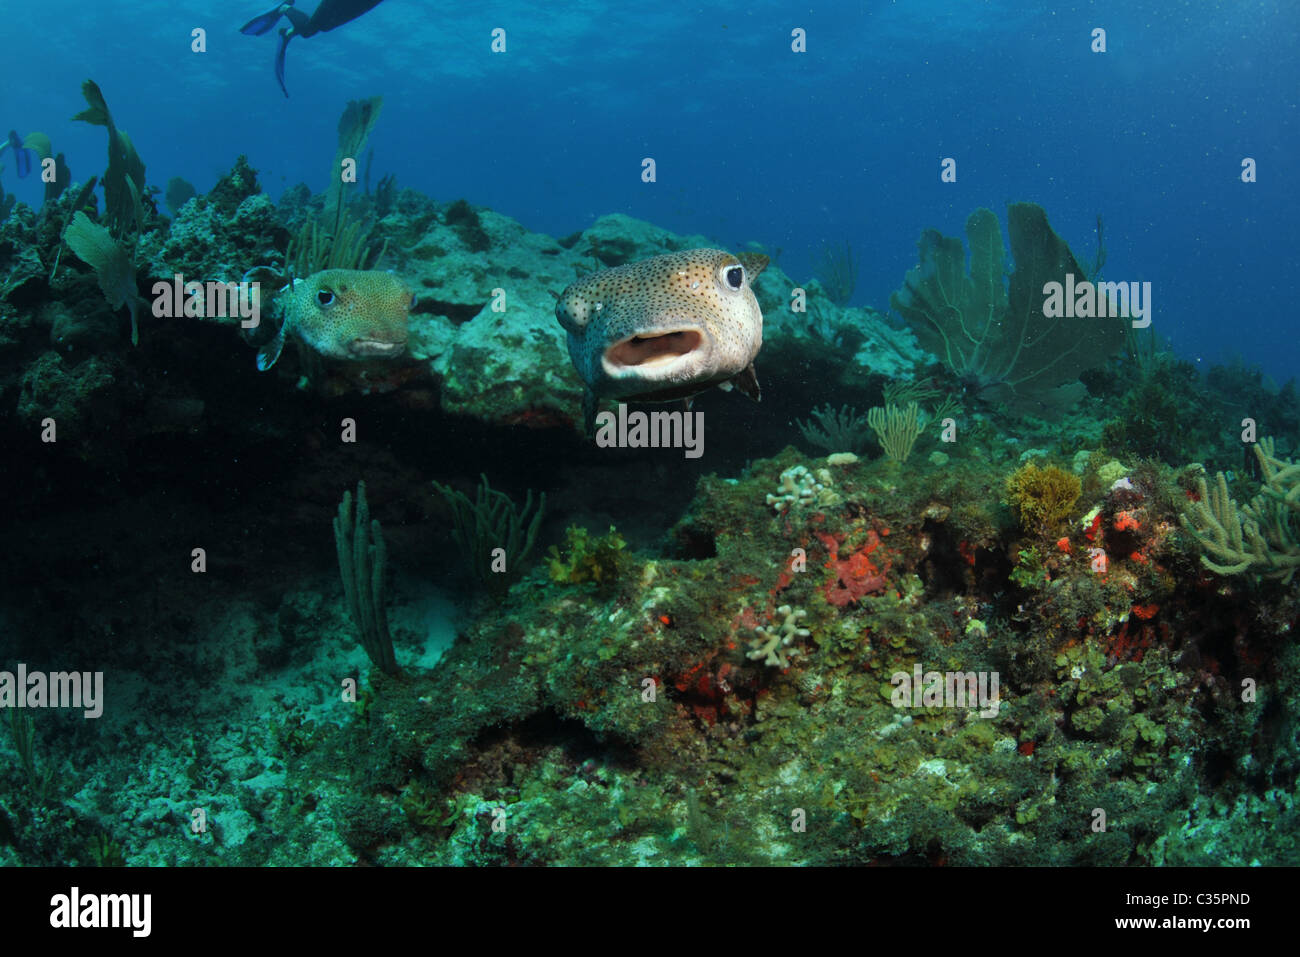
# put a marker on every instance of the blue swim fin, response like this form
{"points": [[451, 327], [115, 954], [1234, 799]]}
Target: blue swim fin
{"points": [[285, 37], [22, 159], [263, 24]]}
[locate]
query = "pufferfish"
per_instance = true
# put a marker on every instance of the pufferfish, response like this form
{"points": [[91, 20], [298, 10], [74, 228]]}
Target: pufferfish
{"points": [[343, 314], [665, 328]]}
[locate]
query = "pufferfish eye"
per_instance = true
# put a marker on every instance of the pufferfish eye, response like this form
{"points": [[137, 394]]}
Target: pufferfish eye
{"points": [[733, 276], [325, 297]]}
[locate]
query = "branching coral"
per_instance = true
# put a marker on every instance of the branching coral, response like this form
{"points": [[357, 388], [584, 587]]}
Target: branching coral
{"points": [[1264, 535], [345, 244], [346, 247], [842, 431], [800, 485], [363, 560], [23, 730], [490, 523], [770, 643], [897, 428]]}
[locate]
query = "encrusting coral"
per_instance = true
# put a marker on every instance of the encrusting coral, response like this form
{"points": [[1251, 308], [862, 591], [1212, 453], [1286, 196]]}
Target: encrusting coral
{"points": [[586, 558]]}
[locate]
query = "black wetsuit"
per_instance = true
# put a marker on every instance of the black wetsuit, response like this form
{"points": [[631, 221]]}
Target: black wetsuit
{"points": [[330, 14]]}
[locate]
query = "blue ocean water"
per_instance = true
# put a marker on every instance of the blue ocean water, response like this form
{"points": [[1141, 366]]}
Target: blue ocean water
{"points": [[753, 142]]}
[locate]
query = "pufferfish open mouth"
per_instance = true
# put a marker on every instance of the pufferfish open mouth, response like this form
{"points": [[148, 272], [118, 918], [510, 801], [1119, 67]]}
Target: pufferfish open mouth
{"points": [[648, 351], [378, 348]]}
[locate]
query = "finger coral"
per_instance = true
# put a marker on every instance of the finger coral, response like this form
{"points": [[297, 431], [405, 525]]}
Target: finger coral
{"points": [[1264, 535], [770, 643]]}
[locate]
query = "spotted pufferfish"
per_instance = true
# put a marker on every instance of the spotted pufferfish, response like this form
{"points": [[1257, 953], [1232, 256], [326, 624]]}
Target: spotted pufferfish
{"points": [[343, 314], [665, 328]]}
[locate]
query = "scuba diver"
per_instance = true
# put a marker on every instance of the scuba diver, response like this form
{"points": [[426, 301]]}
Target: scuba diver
{"points": [[330, 14]]}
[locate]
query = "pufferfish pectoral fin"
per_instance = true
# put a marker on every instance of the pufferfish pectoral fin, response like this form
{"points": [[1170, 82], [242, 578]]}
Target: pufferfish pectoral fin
{"points": [[269, 353], [588, 412], [746, 381]]}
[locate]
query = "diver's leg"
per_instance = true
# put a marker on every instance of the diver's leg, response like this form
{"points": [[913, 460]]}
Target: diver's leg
{"points": [[301, 23]]}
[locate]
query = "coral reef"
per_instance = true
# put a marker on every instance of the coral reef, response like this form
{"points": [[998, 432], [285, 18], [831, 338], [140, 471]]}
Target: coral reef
{"points": [[671, 692], [1263, 536]]}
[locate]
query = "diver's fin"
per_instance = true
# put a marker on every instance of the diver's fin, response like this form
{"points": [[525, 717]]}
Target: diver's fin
{"points": [[263, 24], [747, 382], [22, 160], [285, 37], [270, 352]]}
